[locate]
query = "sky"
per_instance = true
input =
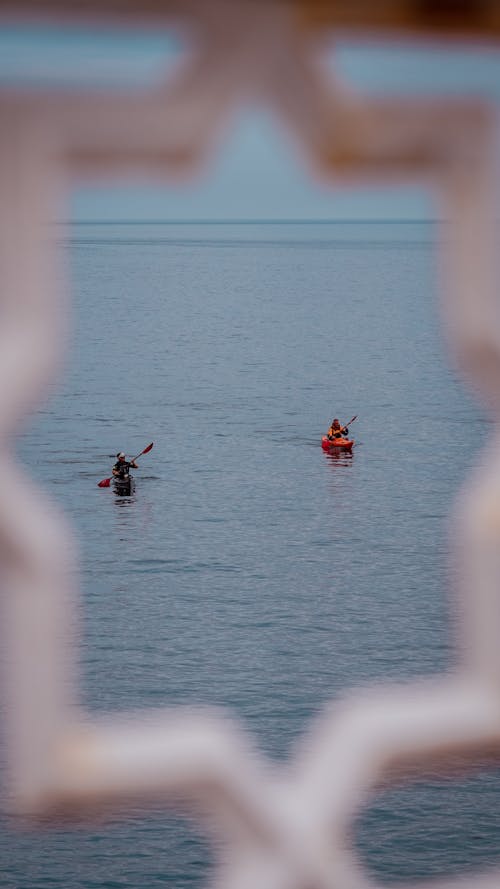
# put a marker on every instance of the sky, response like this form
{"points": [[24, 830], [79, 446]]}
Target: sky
{"points": [[256, 173]]}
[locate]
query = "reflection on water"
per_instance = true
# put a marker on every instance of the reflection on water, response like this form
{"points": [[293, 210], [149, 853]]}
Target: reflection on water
{"points": [[340, 458]]}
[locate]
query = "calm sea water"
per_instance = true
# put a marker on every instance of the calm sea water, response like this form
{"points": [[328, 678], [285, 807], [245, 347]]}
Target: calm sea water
{"points": [[250, 570]]}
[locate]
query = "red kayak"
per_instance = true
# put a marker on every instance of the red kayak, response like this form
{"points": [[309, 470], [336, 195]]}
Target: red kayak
{"points": [[336, 444]]}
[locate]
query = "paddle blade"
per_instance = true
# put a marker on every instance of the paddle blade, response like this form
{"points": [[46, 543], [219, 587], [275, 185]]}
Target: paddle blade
{"points": [[105, 483], [145, 451]]}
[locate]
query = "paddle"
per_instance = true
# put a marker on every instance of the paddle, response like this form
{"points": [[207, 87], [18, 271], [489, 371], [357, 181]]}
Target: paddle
{"points": [[106, 481]]}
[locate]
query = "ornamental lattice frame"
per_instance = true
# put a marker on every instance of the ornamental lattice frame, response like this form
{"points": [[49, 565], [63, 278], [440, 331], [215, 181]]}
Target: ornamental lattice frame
{"points": [[288, 827]]}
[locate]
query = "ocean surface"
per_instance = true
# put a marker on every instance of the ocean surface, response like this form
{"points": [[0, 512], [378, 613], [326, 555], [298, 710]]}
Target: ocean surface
{"points": [[250, 570]]}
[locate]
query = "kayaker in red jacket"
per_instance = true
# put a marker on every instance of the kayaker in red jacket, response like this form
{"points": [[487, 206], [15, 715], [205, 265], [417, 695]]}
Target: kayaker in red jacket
{"points": [[122, 466], [336, 430]]}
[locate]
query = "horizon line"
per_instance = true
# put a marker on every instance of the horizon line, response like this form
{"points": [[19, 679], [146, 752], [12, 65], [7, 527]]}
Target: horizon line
{"points": [[237, 221]]}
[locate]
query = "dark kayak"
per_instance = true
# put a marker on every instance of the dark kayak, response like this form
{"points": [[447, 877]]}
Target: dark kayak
{"points": [[125, 486]]}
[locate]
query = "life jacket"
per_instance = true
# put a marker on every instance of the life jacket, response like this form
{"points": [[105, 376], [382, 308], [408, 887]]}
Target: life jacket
{"points": [[122, 468], [338, 432]]}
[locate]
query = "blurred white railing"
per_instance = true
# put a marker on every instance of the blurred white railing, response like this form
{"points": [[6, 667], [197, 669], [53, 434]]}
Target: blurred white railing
{"points": [[280, 828]]}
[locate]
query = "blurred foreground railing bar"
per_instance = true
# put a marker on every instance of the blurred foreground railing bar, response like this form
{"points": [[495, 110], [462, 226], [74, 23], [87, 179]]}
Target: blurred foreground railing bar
{"points": [[289, 827], [446, 19]]}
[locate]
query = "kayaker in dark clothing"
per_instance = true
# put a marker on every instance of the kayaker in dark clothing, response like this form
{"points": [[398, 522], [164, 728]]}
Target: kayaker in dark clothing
{"points": [[122, 467], [336, 430]]}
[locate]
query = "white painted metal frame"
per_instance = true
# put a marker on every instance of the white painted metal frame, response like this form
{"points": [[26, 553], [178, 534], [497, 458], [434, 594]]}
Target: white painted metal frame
{"points": [[280, 828]]}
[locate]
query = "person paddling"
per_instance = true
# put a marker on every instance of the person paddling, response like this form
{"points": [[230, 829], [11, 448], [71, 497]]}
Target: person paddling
{"points": [[122, 466], [336, 430]]}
